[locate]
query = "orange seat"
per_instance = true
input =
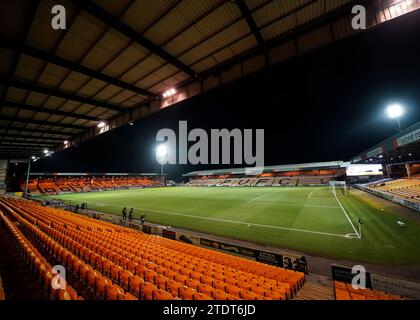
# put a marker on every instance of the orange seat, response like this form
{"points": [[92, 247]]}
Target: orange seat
{"points": [[112, 291], [124, 279], [173, 287], [248, 295], [148, 291], [163, 295]]}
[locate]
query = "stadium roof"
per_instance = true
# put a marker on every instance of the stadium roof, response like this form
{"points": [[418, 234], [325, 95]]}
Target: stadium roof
{"points": [[77, 174], [406, 142], [279, 168], [116, 58]]}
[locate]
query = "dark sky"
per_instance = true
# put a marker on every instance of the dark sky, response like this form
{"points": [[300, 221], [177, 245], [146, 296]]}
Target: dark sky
{"points": [[326, 105]]}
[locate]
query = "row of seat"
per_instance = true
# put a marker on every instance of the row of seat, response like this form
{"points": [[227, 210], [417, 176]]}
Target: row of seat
{"points": [[345, 291], [152, 276], [84, 184], [161, 264], [408, 188], [166, 248], [78, 269], [37, 264], [177, 264]]}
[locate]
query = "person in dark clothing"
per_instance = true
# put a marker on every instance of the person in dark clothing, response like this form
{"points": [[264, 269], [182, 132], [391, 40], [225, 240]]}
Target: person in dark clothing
{"points": [[82, 206], [130, 214], [124, 214], [76, 209], [142, 218]]}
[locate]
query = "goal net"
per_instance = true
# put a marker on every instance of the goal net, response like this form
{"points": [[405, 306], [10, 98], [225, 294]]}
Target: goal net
{"points": [[338, 187]]}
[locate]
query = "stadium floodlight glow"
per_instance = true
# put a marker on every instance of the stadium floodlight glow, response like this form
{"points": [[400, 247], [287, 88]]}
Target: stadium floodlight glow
{"points": [[33, 157], [395, 111], [169, 92], [161, 152], [101, 124], [46, 151]]}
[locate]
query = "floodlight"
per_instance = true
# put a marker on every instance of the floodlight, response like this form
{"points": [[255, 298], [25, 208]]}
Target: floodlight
{"points": [[101, 124], [169, 92], [46, 151], [395, 111], [162, 150], [65, 142]]}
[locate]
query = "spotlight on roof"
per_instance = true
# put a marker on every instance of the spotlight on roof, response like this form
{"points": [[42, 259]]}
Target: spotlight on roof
{"points": [[46, 151], [131, 123], [33, 157], [394, 111], [101, 124], [169, 92]]}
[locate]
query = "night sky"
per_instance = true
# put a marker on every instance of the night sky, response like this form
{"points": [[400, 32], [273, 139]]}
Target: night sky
{"points": [[325, 105]]}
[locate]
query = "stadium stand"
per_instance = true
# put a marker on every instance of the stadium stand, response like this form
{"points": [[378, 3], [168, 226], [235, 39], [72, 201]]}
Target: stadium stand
{"points": [[407, 188], [345, 291], [57, 185], [261, 181], [107, 261], [318, 173]]}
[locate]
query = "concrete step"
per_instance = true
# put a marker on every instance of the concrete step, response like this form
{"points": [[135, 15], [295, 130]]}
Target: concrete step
{"points": [[315, 291]]}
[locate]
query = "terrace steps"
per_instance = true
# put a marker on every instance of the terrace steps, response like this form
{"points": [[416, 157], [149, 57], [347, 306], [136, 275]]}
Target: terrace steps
{"points": [[315, 291]]}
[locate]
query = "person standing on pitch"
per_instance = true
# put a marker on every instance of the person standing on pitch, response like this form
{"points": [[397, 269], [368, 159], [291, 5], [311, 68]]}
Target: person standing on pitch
{"points": [[142, 218], [130, 215], [124, 214]]}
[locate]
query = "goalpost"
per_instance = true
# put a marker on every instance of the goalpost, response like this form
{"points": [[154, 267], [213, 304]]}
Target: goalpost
{"points": [[340, 186]]}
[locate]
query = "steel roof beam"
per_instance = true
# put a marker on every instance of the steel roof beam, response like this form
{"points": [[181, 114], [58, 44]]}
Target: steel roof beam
{"points": [[44, 123], [52, 58], [55, 132], [11, 136], [129, 32], [246, 13], [56, 93], [28, 107]]}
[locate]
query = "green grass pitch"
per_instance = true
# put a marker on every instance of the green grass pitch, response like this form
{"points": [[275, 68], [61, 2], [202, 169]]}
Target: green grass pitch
{"points": [[308, 219]]}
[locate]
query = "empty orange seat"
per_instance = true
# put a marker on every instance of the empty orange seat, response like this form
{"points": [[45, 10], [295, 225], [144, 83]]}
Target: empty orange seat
{"points": [[205, 289], [124, 279], [187, 293], [248, 295], [112, 292], [173, 287], [163, 295], [148, 291]]}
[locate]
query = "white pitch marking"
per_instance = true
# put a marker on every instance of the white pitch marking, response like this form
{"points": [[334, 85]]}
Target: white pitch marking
{"points": [[345, 213], [259, 197], [236, 222], [309, 196], [295, 205]]}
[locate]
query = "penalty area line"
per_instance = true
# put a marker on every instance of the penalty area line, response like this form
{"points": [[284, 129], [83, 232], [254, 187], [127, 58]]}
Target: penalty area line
{"points": [[239, 222], [347, 216]]}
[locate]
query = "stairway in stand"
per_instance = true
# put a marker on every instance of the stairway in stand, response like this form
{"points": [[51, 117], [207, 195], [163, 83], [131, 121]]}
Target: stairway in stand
{"points": [[315, 291]]}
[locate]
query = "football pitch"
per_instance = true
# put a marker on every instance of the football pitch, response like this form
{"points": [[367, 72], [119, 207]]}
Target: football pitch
{"points": [[308, 219]]}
